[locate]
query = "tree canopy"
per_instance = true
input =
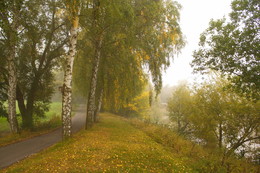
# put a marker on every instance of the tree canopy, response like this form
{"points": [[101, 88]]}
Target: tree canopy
{"points": [[120, 42], [40, 41], [233, 47]]}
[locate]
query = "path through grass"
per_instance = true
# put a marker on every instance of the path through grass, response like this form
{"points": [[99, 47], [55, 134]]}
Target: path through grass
{"points": [[42, 125], [120, 145], [110, 146]]}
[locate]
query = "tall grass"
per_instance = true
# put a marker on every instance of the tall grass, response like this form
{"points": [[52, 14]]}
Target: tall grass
{"points": [[195, 156]]}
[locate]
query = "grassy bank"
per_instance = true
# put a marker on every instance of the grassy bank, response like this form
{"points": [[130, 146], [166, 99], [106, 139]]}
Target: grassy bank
{"points": [[110, 146], [117, 145], [196, 157], [42, 125]]}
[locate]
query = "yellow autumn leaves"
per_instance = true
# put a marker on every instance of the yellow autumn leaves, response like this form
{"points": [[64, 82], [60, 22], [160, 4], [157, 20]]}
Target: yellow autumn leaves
{"points": [[110, 146]]}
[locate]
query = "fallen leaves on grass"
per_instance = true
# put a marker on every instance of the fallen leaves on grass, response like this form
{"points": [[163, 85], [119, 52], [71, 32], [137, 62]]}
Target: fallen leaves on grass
{"points": [[110, 146]]}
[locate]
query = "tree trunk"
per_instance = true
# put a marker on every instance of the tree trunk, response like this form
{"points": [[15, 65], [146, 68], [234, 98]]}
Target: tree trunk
{"points": [[12, 78], [20, 100], [96, 116], [27, 122], [67, 84], [91, 107], [12, 81], [28, 114]]}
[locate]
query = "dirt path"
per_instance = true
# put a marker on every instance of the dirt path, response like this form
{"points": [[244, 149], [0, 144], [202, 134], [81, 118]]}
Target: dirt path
{"points": [[14, 152]]}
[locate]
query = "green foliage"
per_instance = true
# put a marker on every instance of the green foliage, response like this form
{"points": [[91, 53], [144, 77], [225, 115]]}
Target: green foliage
{"points": [[81, 72], [136, 34], [216, 117], [42, 44], [3, 81], [233, 48], [158, 36], [3, 111], [119, 74], [41, 36], [179, 107], [40, 108]]}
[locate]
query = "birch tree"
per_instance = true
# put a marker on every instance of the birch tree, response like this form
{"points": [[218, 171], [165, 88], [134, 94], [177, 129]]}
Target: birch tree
{"points": [[73, 10], [128, 36], [12, 78], [9, 29], [91, 107], [97, 42]]}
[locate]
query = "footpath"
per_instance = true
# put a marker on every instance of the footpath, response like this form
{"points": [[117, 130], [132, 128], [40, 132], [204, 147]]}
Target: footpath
{"points": [[13, 153], [112, 145]]}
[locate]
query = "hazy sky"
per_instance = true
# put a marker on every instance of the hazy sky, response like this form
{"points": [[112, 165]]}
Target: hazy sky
{"points": [[195, 16]]}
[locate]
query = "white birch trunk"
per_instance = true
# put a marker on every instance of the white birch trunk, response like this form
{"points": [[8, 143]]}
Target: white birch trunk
{"points": [[96, 118], [67, 85], [12, 82], [12, 78], [91, 107]]}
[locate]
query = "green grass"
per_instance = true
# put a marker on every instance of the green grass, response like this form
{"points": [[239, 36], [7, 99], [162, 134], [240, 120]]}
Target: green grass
{"points": [[42, 125], [199, 159], [110, 146], [119, 145], [51, 119], [55, 110], [4, 126]]}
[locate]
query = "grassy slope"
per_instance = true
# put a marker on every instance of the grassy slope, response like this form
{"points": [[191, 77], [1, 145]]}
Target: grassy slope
{"points": [[110, 146], [119, 145]]}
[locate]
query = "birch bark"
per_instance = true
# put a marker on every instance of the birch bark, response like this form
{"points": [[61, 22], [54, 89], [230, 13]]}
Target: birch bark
{"points": [[12, 82], [91, 107], [96, 116], [67, 84], [12, 78]]}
